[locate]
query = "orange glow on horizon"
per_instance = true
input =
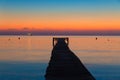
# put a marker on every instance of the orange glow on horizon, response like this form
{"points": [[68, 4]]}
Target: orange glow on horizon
{"points": [[64, 22]]}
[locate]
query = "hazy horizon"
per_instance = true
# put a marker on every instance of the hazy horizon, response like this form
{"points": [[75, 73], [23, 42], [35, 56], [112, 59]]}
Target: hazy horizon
{"points": [[59, 32]]}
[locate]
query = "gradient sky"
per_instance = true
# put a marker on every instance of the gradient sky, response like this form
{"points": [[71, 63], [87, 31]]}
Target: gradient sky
{"points": [[60, 15]]}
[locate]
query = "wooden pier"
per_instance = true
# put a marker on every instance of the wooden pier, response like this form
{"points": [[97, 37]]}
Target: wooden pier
{"points": [[64, 64]]}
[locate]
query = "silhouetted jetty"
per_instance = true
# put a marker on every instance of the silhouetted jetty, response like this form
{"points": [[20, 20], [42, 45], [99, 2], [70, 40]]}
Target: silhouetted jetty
{"points": [[64, 64]]}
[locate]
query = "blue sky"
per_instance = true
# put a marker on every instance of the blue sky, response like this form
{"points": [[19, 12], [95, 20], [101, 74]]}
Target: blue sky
{"points": [[76, 4]]}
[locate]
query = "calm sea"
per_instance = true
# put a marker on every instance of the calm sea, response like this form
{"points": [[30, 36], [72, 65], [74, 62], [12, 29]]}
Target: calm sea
{"points": [[26, 57]]}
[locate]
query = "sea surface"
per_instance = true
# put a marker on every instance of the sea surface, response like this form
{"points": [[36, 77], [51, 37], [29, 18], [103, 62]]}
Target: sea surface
{"points": [[26, 57]]}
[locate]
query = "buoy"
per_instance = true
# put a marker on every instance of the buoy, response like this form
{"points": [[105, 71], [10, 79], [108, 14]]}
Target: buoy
{"points": [[9, 39], [108, 40], [96, 38], [19, 38]]}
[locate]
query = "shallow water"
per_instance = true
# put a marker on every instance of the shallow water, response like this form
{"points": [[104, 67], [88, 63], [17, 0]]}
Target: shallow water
{"points": [[27, 58]]}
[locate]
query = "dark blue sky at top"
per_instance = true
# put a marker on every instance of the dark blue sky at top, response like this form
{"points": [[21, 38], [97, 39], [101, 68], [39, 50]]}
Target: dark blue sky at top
{"points": [[61, 4]]}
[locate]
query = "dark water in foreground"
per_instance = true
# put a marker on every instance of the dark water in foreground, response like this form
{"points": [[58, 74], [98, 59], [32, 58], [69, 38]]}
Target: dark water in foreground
{"points": [[22, 71], [36, 71]]}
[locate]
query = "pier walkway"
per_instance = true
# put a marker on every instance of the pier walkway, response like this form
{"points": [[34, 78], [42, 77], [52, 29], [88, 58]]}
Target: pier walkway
{"points": [[64, 64]]}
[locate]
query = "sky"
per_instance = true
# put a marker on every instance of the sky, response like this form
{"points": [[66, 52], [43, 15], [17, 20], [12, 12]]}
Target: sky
{"points": [[60, 16]]}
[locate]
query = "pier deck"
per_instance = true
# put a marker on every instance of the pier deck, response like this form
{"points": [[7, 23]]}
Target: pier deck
{"points": [[64, 64]]}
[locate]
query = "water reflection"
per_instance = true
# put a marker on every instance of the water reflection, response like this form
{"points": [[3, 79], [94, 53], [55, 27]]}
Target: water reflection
{"points": [[101, 56], [29, 43], [86, 48]]}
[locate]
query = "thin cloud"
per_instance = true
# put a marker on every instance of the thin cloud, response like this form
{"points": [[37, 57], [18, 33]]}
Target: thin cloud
{"points": [[25, 28]]}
